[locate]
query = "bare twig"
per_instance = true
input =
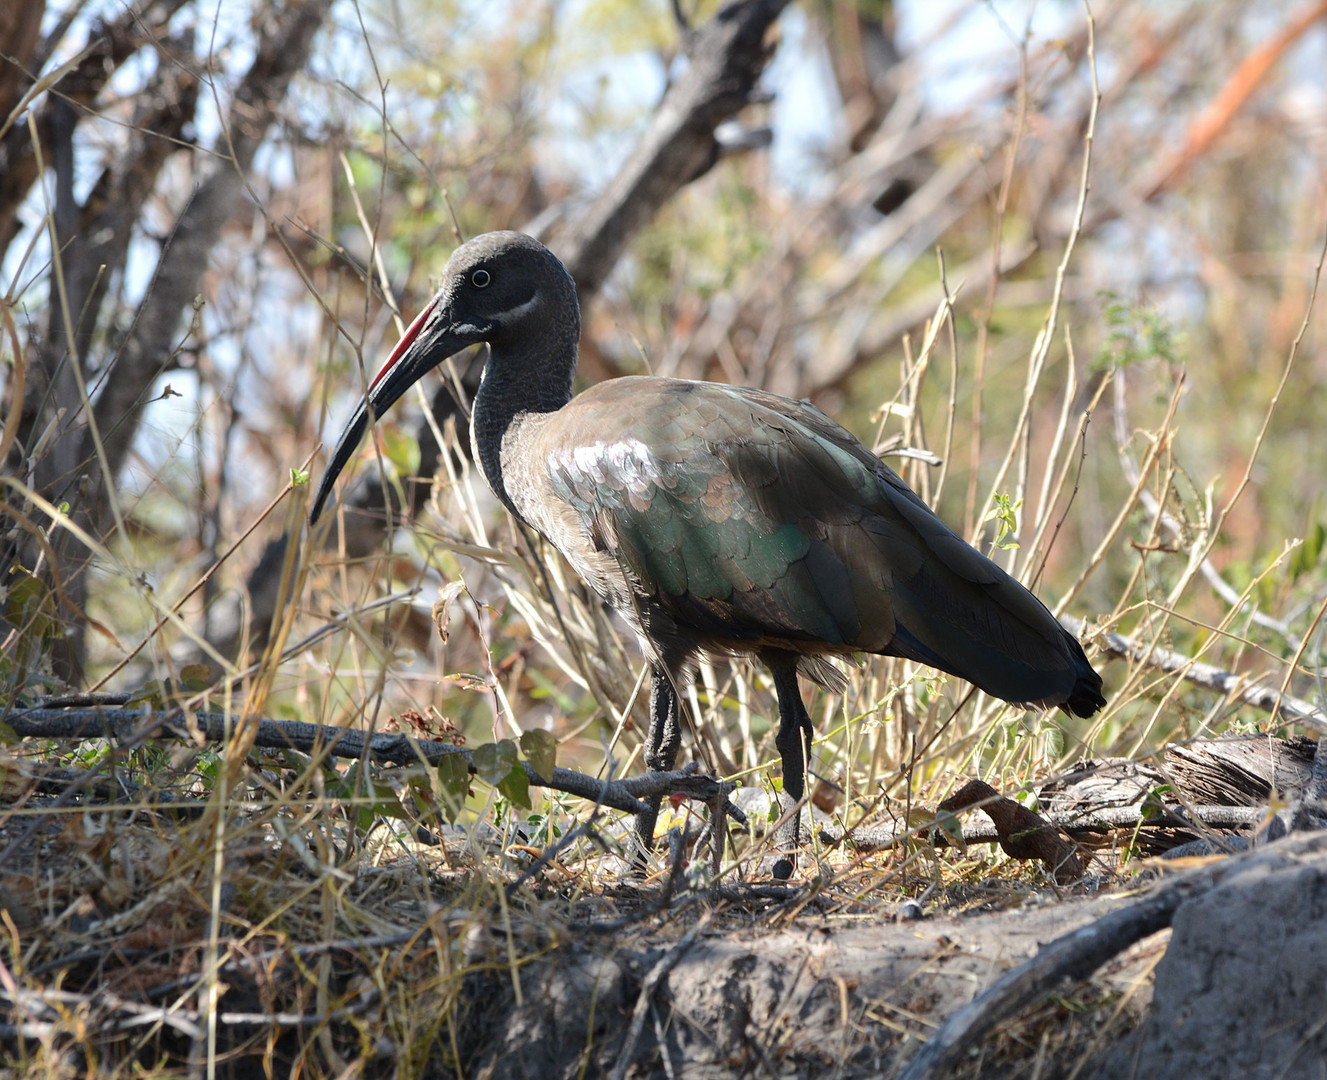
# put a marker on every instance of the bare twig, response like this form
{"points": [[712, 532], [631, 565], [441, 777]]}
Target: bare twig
{"points": [[726, 57], [1291, 709], [1237, 90], [1076, 823]]}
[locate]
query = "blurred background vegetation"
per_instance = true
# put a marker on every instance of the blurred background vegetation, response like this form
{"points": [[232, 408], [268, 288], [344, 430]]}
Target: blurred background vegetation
{"points": [[216, 219]]}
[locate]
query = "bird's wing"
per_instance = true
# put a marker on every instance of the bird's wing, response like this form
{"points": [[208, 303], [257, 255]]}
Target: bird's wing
{"points": [[751, 517], [655, 471]]}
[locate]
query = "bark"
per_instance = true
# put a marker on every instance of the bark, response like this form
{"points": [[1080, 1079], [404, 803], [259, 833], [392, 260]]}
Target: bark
{"points": [[65, 452], [131, 727], [725, 58], [20, 30], [110, 45], [287, 39]]}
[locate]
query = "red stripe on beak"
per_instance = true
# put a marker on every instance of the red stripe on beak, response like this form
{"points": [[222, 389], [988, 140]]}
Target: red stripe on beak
{"points": [[412, 332]]}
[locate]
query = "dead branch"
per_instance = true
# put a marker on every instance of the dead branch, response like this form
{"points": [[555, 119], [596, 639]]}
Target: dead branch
{"points": [[1073, 956], [87, 452], [116, 1014], [95, 237], [726, 57], [282, 50], [78, 88], [1244, 81], [1311, 810], [1293, 709], [1081, 825], [648, 988], [390, 748]]}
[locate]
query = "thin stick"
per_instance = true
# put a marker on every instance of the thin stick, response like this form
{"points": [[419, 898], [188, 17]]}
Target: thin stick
{"points": [[1292, 709]]}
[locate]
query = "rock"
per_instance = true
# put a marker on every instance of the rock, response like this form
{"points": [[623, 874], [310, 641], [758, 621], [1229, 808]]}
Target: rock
{"points": [[1239, 994]]}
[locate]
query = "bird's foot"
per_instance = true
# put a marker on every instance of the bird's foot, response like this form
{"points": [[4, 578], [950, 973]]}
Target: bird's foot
{"points": [[786, 841], [641, 842]]}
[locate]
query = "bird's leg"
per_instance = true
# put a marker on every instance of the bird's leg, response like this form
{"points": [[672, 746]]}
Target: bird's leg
{"points": [[794, 743], [661, 743]]}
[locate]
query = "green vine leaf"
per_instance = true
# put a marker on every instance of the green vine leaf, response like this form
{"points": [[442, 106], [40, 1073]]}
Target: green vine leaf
{"points": [[541, 751], [453, 785], [493, 761]]}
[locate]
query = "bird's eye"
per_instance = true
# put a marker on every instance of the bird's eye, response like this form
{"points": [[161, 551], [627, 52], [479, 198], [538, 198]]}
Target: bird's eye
{"points": [[480, 279]]}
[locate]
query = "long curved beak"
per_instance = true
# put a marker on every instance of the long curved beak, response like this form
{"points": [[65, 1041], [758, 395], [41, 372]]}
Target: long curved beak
{"points": [[430, 339]]}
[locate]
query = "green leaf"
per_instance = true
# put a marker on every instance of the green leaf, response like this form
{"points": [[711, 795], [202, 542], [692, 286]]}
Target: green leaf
{"points": [[453, 784], [948, 823], [1314, 543], [1305, 558], [545, 689], [28, 606], [382, 803], [382, 800], [150, 693], [516, 787], [541, 751], [1004, 512], [422, 798], [1154, 803], [400, 448], [1134, 333], [195, 677], [299, 477], [493, 761]]}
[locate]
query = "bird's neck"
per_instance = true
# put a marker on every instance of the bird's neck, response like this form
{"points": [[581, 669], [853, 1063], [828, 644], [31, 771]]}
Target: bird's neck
{"points": [[518, 380]]}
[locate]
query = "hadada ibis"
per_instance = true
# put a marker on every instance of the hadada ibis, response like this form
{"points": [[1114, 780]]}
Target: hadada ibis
{"points": [[717, 519]]}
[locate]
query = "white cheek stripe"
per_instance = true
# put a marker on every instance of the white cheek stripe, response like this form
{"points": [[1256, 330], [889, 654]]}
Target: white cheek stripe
{"points": [[504, 317]]}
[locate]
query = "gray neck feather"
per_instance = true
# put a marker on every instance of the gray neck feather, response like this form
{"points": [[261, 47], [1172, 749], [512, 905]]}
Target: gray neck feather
{"points": [[526, 373]]}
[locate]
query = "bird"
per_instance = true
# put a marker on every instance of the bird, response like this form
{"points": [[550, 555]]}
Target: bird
{"points": [[716, 519]]}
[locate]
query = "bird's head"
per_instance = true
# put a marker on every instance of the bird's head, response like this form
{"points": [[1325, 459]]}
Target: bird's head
{"points": [[500, 288]]}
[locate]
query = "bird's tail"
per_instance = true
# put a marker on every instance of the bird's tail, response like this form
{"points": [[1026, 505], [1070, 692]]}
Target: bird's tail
{"points": [[1086, 697]]}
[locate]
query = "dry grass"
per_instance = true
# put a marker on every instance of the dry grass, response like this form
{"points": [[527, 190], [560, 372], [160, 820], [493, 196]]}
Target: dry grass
{"points": [[201, 904], [178, 907]]}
